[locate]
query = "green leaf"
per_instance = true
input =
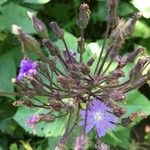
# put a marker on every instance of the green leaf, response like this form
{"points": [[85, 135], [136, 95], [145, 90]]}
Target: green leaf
{"points": [[141, 30], [137, 102], [15, 14], [54, 129], [2, 2], [7, 124], [143, 6], [125, 9], [119, 137], [7, 72], [36, 1]]}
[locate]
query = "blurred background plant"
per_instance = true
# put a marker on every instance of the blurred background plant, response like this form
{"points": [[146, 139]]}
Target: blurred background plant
{"points": [[12, 135]]}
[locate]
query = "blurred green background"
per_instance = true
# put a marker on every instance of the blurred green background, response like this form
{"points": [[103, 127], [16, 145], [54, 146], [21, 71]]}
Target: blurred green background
{"points": [[12, 135]]}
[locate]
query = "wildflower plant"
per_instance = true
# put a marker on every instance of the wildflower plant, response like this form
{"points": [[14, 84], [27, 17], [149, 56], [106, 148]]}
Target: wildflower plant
{"points": [[75, 96]]}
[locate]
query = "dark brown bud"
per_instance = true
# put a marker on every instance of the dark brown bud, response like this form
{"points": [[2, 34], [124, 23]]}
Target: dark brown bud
{"points": [[81, 42], [53, 49], [136, 72], [112, 13], [39, 26], [57, 30], [91, 61], [84, 16], [84, 69], [23, 102], [131, 56], [130, 24], [119, 111], [48, 117], [117, 95], [57, 105]]}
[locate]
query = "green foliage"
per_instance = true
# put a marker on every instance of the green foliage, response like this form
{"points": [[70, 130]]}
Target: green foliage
{"points": [[36, 1], [7, 72], [55, 128], [12, 121], [18, 17]]}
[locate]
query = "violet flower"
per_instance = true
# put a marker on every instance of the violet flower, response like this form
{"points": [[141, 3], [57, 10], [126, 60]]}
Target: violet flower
{"points": [[98, 117], [32, 121], [27, 67]]}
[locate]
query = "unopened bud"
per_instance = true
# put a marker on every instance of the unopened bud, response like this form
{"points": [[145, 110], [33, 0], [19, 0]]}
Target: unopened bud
{"points": [[29, 44], [48, 118], [84, 16], [112, 13], [39, 26], [53, 49], [57, 30], [91, 61]]}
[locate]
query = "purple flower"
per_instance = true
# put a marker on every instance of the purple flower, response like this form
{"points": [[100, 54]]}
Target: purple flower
{"points": [[98, 117], [32, 121], [27, 67]]}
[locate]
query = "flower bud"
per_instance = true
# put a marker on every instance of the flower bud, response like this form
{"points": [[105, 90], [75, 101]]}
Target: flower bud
{"points": [[112, 9], [29, 44], [39, 26], [91, 61], [53, 49], [84, 16], [48, 118], [57, 30], [81, 142]]}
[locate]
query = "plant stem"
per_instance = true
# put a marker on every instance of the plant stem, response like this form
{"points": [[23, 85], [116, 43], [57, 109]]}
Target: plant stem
{"points": [[68, 53]]}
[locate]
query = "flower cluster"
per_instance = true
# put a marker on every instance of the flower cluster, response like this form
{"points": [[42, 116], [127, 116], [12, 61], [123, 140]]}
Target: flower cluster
{"points": [[99, 90]]}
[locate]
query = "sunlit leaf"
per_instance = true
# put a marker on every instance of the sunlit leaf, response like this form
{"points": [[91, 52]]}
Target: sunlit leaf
{"points": [[36, 1], [143, 6], [141, 30], [54, 129]]}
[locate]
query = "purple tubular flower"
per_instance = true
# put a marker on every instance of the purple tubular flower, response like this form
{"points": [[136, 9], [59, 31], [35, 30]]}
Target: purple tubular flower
{"points": [[27, 67], [32, 121], [98, 117]]}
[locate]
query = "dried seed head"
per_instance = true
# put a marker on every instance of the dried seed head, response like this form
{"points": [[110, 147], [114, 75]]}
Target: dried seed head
{"points": [[84, 16], [57, 30]]}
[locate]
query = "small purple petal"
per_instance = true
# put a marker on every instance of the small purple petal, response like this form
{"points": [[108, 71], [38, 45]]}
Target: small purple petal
{"points": [[98, 117], [27, 67]]}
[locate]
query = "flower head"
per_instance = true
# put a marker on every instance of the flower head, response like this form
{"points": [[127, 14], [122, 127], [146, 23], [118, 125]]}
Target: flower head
{"points": [[27, 67], [98, 117], [32, 121]]}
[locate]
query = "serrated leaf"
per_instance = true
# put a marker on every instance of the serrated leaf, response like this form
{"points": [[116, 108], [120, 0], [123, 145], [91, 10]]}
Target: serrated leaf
{"points": [[7, 72], [143, 6], [18, 17], [54, 129], [36, 1]]}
